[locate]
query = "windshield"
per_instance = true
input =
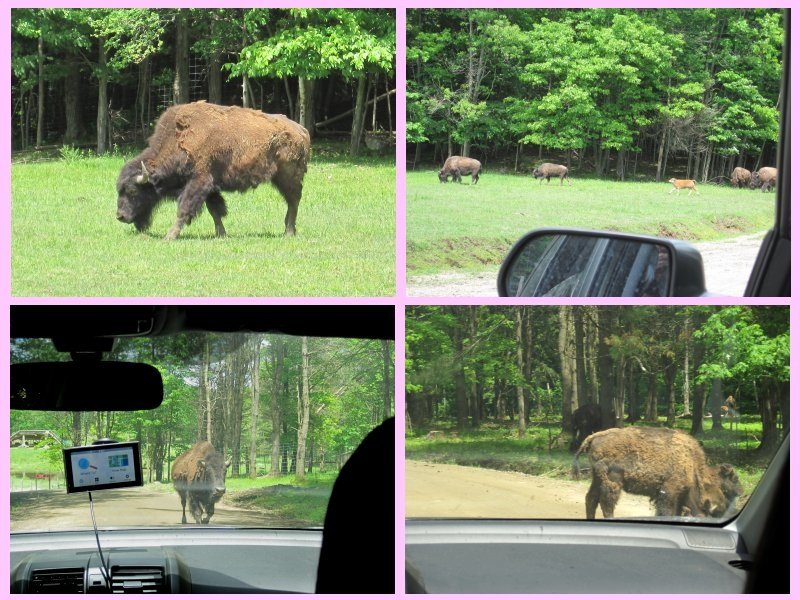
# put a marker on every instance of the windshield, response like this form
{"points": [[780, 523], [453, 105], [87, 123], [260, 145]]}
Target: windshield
{"points": [[575, 412], [270, 419]]}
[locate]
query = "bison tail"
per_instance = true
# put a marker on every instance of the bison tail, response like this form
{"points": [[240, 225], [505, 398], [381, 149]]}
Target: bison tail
{"points": [[576, 469]]}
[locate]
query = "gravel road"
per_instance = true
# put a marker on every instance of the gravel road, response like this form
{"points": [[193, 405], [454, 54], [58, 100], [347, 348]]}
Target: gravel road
{"points": [[441, 490], [132, 507], [727, 266]]}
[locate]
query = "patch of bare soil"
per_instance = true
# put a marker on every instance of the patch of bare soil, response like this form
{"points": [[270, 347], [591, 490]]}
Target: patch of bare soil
{"points": [[443, 490]]}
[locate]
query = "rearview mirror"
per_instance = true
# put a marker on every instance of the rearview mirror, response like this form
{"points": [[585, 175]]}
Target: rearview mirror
{"points": [[571, 262], [92, 386]]}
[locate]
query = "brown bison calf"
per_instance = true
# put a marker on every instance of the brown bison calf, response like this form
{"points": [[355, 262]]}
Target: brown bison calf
{"points": [[766, 178], [666, 465], [548, 170], [680, 184], [199, 150], [456, 166], [740, 177]]}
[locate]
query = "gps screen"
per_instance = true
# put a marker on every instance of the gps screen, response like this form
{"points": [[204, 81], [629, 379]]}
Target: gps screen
{"points": [[102, 467]]}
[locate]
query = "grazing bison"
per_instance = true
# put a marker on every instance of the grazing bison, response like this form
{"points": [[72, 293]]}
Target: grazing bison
{"points": [[548, 170], [766, 178], [586, 420], [456, 166], [680, 184], [199, 476], [740, 177], [198, 150], [667, 465]]}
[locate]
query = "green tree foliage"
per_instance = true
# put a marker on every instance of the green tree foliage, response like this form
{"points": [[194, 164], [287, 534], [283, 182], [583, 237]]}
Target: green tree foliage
{"points": [[630, 360], [605, 86]]}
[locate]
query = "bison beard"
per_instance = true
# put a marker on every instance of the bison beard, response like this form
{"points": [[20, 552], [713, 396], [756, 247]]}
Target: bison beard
{"points": [[199, 477], [666, 465], [198, 150]]}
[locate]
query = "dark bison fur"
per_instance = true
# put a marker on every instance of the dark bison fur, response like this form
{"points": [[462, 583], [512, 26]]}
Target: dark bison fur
{"points": [[199, 477], [740, 177], [586, 420], [456, 166], [548, 170], [666, 465], [766, 178], [199, 150]]}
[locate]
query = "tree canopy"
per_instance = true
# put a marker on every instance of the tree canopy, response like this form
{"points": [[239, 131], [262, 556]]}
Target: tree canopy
{"points": [[692, 92]]}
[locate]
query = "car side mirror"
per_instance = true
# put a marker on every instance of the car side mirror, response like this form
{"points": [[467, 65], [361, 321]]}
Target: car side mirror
{"points": [[573, 262]]}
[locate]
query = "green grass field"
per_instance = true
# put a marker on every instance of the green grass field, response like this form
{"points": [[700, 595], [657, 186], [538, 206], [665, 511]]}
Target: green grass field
{"points": [[66, 240], [453, 227]]}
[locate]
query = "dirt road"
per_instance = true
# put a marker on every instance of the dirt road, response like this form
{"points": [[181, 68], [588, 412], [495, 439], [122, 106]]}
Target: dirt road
{"points": [[727, 266], [440, 490], [132, 507]]}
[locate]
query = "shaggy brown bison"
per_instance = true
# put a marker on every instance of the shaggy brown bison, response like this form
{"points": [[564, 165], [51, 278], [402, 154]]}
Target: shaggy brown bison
{"points": [[586, 420], [456, 166], [199, 477], [766, 178], [666, 465], [682, 184], [740, 177], [548, 170], [201, 149]]}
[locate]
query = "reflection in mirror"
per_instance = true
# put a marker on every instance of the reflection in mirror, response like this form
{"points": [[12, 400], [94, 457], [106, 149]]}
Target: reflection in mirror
{"points": [[584, 265]]}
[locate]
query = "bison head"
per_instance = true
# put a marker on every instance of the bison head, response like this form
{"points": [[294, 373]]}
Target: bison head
{"points": [[721, 487], [537, 173], [137, 197], [755, 180], [443, 176], [212, 470]]}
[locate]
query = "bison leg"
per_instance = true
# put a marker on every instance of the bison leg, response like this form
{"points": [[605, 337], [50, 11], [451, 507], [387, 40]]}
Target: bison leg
{"points": [[209, 512], [216, 207], [183, 505], [291, 188], [195, 508], [190, 203]]}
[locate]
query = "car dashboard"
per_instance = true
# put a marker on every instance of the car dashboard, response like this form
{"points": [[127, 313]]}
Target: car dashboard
{"points": [[576, 557], [187, 560]]}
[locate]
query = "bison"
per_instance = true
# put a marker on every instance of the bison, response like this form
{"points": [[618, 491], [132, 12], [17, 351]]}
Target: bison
{"points": [[667, 465], [199, 476], [766, 178], [198, 150], [548, 170], [681, 184], [740, 177], [586, 420], [456, 166]]}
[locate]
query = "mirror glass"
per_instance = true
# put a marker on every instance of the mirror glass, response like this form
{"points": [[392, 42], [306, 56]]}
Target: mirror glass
{"points": [[585, 265]]}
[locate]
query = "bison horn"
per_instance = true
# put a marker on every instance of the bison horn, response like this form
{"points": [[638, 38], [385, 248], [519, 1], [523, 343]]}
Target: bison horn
{"points": [[143, 177]]}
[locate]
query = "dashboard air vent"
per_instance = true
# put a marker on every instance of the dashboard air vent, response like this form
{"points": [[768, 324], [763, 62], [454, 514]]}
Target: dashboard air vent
{"points": [[137, 580], [57, 581], [744, 565]]}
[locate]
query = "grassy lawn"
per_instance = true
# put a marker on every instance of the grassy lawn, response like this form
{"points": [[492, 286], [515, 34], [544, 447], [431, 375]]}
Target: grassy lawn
{"points": [[471, 227], [66, 240], [539, 452]]}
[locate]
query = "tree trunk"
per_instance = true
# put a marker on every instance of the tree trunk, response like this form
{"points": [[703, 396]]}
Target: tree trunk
{"points": [[278, 353], [388, 378], [519, 313], [102, 99], [180, 85], [143, 98], [40, 99], [358, 116], [303, 410], [305, 103], [255, 408], [72, 104], [566, 351]]}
